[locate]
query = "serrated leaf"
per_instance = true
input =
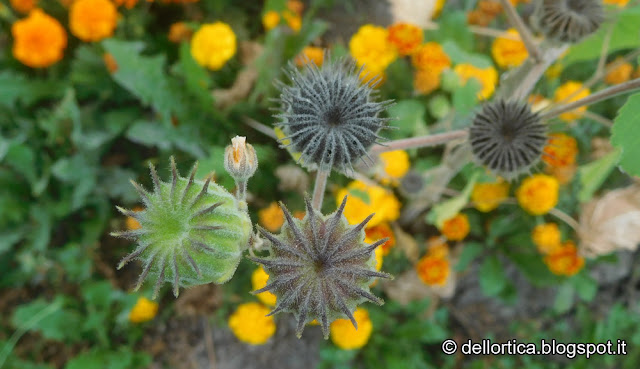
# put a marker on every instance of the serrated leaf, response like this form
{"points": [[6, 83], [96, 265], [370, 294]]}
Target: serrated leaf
{"points": [[143, 76], [624, 135], [592, 175], [492, 278]]}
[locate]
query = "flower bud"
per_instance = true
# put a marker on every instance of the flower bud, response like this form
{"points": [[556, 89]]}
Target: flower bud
{"points": [[240, 159]]}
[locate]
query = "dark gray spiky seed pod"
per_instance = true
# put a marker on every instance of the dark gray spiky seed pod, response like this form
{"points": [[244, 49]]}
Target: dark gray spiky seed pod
{"points": [[329, 114], [191, 232], [568, 20], [320, 267], [507, 137]]}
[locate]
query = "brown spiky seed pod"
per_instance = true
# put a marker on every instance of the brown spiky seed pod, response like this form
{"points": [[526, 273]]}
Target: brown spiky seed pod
{"points": [[568, 20], [320, 267]]}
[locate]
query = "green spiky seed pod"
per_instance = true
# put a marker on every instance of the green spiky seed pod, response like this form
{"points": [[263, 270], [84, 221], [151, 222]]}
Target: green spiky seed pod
{"points": [[320, 267], [191, 232]]}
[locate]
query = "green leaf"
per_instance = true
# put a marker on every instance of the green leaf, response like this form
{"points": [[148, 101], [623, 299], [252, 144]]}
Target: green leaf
{"points": [[470, 251], [459, 56], [625, 35], [564, 298], [143, 76], [196, 78], [16, 87], [449, 208], [585, 286], [492, 277], [624, 135], [593, 175], [58, 324], [409, 116], [149, 133], [465, 98]]}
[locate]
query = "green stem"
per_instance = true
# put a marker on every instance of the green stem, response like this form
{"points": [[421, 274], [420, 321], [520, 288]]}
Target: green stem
{"points": [[318, 190], [419, 142]]}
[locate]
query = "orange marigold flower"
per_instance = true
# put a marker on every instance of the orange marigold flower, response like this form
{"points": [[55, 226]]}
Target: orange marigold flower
{"points": [[270, 20], [620, 3], [110, 62], [380, 231], [490, 7], [127, 3], [346, 336], [538, 194], [295, 6], [405, 37], [271, 217], [437, 247], [561, 151], [294, 21], [546, 237], [143, 311], [370, 46], [299, 214], [564, 174], [38, 40], [488, 196], [488, 78], [311, 53], [425, 81], [456, 228], [433, 270], [131, 223], [568, 92], [179, 32], [619, 74], [92, 20], [508, 52], [431, 56], [259, 280], [565, 260], [24, 6], [213, 45]]}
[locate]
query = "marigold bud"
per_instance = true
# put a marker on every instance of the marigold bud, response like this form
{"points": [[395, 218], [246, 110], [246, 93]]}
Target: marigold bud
{"points": [[240, 159]]}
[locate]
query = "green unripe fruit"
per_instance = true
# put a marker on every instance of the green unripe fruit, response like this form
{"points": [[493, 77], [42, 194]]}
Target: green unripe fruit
{"points": [[191, 232]]}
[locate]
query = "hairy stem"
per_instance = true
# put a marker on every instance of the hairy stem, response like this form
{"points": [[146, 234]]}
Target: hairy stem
{"points": [[594, 98], [565, 218], [527, 37], [418, 142], [318, 190]]}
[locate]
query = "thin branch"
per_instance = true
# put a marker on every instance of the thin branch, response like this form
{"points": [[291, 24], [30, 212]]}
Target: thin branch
{"points": [[318, 190], [598, 118], [527, 37], [605, 50], [536, 70], [595, 98], [418, 142], [260, 127], [492, 32], [565, 218]]}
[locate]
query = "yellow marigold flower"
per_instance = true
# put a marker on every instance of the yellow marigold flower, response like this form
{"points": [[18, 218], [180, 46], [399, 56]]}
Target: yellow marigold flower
{"points": [[24, 6], [365, 200], [127, 3], [619, 74], [488, 78], [620, 3], [488, 196], [92, 20], [213, 45], [375, 78], [143, 311], [508, 52], [250, 324], [370, 46], [294, 21], [561, 151], [344, 334], [379, 253], [546, 237], [38, 40], [405, 37], [179, 32], [431, 56], [271, 217], [425, 81], [433, 270], [568, 92], [311, 53], [456, 228], [110, 63], [270, 20], [380, 231], [259, 279], [538, 194], [565, 260], [395, 164]]}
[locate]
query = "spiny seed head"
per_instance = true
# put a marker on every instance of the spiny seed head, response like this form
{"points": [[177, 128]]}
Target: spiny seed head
{"points": [[191, 232], [329, 115], [568, 20], [507, 137], [320, 267], [412, 183]]}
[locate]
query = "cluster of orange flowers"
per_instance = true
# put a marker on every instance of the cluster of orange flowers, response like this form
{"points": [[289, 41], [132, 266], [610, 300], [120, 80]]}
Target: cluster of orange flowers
{"points": [[561, 258], [292, 16], [434, 267], [560, 156], [487, 10]]}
